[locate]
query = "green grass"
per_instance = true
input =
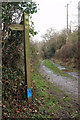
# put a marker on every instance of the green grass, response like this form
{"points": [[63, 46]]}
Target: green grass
{"points": [[68, 99], [57, 71], [68, 67], [48, 102], [73, 69], [37, 65]]}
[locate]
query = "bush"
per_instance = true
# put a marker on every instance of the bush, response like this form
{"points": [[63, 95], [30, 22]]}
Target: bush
{"points": [[69, 53]]}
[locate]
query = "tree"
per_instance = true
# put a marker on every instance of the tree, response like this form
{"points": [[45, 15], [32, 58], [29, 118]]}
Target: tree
{"points": [[49, 34], [13, 13], [12, 41], [49, 47]]}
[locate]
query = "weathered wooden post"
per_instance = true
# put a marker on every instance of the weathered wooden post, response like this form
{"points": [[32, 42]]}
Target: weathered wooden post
{"points": [[27, 54], [25, 27]]}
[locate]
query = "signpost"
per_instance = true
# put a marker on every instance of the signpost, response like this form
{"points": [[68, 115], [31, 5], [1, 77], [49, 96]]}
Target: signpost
{"points": [[25, 27], [27, 54], [16, 27]]}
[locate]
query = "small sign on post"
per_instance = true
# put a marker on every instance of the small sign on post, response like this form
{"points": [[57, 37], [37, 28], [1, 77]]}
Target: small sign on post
{"points": [[25, 27], [16, 27]]}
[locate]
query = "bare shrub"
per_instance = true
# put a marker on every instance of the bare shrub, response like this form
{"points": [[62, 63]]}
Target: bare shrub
{"points": [[67, 52]]}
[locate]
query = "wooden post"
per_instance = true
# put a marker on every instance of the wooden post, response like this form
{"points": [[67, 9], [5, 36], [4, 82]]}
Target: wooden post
{"points": [[25, 28], [27, 56]]}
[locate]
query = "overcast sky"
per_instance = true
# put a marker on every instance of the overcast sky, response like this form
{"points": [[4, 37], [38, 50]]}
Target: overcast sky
{"points": [[53, 14]]}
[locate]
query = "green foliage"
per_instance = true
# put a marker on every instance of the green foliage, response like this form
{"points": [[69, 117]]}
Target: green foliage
{"points": [[12, 83], [13, 77], [33, 54], [53, 41], [46, 104], [11, 49], [12, 12], [48, 51], [61, 41], [73, 37], [71, 55], [54, 46], [51, 100], [68, 99]]}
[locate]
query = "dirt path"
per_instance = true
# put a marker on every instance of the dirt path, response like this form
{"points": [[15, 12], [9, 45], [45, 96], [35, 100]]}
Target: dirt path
{"points": [[69, 85]]}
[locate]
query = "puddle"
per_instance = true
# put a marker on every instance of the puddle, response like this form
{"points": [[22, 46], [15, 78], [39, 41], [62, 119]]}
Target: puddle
{"points": [[47, 70], [66, 70], [61, 67], [58, 66], [73, 74]]}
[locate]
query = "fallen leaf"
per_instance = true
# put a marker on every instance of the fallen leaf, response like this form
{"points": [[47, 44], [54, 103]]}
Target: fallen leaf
{"points": [[63, 97], [5, 113], [53, 104], [4, 106], [35, 110], [18, 111]]}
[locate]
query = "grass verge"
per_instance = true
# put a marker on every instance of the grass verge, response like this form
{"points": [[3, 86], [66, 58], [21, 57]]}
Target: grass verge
{"points": [[58, 61], [47, 100], [57, 71], [51, 101]]}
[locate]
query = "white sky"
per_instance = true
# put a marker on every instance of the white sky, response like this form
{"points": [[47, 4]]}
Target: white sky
{"points": [[52, 13]]}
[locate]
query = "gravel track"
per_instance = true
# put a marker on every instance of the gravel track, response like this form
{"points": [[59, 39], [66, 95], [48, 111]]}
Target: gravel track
{"points": [[69, 85]]}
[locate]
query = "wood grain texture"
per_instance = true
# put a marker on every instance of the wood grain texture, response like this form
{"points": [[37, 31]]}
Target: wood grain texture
{"points": [[27, 51]]}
